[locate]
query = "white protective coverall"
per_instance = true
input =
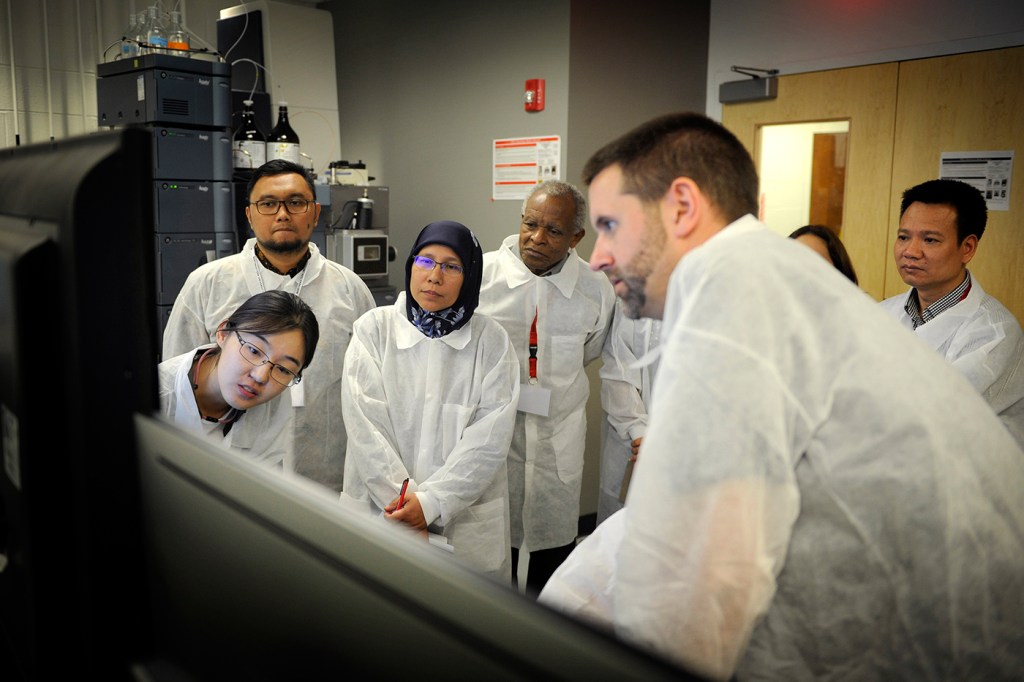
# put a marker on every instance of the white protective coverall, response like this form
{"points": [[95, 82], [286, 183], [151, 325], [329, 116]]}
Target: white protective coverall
{"points": [[262, 433], [439, 412], [626, 389], [983, 340], [820, 497], [337, 297], [574, 310]]}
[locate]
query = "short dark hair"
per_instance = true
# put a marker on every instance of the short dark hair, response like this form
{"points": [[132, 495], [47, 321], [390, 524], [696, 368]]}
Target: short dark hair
{"points": [[685, 144], [836, 251], [966, 200], [275, 311], [280, 167]]}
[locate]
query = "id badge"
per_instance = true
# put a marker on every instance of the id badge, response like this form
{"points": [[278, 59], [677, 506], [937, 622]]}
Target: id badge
{"points": [[534, 399]]}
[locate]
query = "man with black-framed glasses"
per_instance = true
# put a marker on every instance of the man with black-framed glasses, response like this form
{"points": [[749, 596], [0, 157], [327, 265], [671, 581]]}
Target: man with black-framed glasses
{"points": [[282, 212]]}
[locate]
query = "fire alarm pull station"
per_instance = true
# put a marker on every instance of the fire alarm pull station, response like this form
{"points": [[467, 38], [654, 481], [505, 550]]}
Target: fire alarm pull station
{"points": [[534, 97]]}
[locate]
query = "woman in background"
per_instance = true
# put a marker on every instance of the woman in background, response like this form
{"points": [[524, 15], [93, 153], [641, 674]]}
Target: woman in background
{"points": [[828, 245], [233, 391], [429, 397]]}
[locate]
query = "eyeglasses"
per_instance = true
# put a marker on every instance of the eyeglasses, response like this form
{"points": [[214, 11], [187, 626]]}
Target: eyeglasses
{"points": [[272, 206], [429, 263], [257, 358]]}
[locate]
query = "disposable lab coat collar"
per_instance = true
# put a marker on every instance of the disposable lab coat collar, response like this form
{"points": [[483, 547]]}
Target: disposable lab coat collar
{"points": [[517, 274], [648, 358], [407, 336], [938, 330], [743, 225], [314, 266]]}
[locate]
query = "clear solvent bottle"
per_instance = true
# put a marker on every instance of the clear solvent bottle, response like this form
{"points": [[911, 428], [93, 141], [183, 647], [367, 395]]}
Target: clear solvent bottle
{"points": [[178, 42], [141, 34], [156, 33], [129, 46]]}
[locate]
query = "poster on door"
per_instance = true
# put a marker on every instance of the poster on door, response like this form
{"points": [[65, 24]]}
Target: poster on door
{"points": [[520, 163], [989, 172]]}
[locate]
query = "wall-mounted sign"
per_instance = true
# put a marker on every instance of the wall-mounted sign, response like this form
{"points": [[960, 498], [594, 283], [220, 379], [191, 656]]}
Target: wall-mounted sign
{"points": [[519, 163], [990, 172]]}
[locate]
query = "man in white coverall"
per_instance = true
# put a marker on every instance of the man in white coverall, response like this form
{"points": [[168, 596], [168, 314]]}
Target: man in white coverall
{"points": [[535, 285], [819, 495], [626, 389], [941, 223], [282, 212]]}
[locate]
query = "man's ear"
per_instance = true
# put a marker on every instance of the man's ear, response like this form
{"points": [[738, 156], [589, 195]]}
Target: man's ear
{"points": [[684, 203], [968, 247], [577, 237]]}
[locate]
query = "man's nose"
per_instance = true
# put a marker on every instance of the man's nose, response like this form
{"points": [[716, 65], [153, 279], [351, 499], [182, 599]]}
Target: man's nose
{"points": [[912, 248], [600, 257]]}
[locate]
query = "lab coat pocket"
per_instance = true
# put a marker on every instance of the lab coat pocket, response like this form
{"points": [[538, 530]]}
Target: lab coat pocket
{"points": [[454, 420], [566, 358], [478, 535]]}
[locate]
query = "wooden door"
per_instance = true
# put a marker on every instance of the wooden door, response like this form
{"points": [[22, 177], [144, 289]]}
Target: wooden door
{"points": [[903, 115], [866, 97], [962, 103]]}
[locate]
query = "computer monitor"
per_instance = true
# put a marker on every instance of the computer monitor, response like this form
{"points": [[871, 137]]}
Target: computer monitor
{"points": [[255, 576], [76, 362], [132, 550]]}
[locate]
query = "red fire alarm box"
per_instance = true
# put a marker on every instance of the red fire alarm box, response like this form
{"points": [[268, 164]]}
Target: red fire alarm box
{"points": [[534, 97]]}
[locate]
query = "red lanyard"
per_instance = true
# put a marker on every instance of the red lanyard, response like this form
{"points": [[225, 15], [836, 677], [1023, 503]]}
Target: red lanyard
{"points": [[533, 350]]}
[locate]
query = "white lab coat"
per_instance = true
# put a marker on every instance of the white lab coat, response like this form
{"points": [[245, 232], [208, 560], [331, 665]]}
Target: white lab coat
{"points": [[626, 389], [545, 462], [820, 496], [439, 412], [262, 433], [983, 340], [337, 297]]}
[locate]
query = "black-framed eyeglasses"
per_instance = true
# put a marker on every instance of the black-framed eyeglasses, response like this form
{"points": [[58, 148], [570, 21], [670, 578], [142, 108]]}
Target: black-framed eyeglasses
{"points": [[272, 206], [429, 263], [256, 357]]}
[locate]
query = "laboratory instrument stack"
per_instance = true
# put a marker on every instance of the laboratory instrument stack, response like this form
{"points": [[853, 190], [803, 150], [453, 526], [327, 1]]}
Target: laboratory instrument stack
{"points": [[185, 104]]}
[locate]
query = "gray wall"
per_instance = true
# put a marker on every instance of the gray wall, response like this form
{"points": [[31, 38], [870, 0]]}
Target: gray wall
{"points": [[425, 88]]}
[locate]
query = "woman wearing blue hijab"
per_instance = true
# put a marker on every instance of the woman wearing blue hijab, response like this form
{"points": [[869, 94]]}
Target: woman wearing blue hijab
{"points": [[429, 397]]}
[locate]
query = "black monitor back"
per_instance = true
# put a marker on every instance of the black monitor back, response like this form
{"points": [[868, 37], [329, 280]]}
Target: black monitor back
{"points": [[77, 350], [259, 577]]}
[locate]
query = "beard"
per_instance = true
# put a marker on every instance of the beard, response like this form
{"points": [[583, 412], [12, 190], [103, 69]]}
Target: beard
{"points": [[635, 298], [284, 247], [646, 262]]}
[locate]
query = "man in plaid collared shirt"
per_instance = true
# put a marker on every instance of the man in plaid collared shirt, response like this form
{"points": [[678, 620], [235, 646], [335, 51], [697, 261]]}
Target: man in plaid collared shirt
{"points": [[941, 223]]}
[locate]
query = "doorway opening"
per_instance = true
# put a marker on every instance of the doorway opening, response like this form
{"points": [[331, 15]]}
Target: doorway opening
{"points": [[802, 171]]}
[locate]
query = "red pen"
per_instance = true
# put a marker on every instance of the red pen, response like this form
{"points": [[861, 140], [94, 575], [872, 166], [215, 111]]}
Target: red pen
{"points": [[401, 496]]}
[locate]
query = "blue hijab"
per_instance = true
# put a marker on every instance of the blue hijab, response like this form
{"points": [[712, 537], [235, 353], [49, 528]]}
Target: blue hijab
{"points": [[463, 242]]}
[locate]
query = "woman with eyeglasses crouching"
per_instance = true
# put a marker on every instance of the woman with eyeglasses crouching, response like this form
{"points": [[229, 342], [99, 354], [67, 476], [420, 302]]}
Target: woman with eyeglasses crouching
{"points": [[429, 398], [234, 391]]}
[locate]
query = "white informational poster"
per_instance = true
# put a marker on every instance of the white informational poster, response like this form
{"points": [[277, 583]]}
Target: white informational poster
{"points": [[990, 172], [519, 163]]}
